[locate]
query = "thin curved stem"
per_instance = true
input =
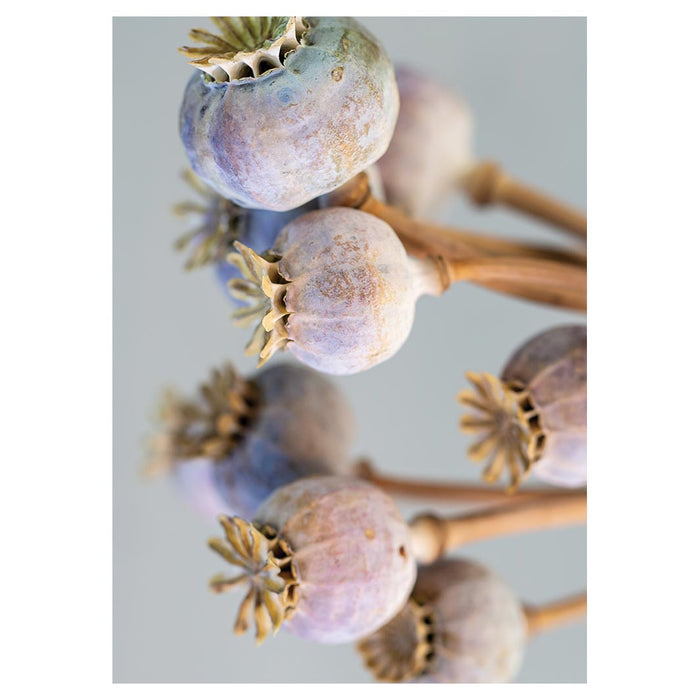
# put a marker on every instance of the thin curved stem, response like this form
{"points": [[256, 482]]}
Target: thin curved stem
{"points": [[545, 281], [541, 618], [421, 238], [487, 183], [432, 535], [444, 490]]}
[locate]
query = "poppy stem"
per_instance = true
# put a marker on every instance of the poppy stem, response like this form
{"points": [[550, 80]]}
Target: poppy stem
{"points": [[541, 618], [433, 535], [453, 491], [487, 183]]}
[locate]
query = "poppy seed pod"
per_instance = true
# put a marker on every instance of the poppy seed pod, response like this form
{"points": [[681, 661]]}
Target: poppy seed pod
{"points": [[220, 223], [338, 291], [328, 556], [431, 147], [462, 624], [534, 417], [246, 437], [284, 109]]}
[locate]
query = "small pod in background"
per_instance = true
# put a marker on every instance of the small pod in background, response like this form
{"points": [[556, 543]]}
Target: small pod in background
{"points": [[230, 448], [461, 624], [533, 419], [327, 556], [431, 147]]}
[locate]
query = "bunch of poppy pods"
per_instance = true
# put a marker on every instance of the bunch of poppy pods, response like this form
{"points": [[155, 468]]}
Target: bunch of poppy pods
{"points": [[313, 158]]}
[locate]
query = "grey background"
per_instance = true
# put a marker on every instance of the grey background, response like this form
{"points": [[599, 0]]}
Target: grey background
{"points": [[525, 79]]}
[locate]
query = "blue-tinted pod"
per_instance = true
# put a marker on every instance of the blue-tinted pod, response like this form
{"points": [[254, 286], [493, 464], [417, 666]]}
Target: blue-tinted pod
{"points": [[280, 123], [297, 425]]}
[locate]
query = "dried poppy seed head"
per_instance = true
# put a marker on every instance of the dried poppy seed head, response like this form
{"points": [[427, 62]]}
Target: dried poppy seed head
{"points": [[345, 549], [262, 556], [431, 146], [243, 438], [462, 625], [287, 108], [534, 417], [338, 291]]}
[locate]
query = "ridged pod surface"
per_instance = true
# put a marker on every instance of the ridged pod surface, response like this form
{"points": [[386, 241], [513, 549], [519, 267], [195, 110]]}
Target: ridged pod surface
{"points": [[431, 146], [338, 291], [463, 625], [351, 551], [299, 129], [300, 425], [552, 366], [351, 296]]}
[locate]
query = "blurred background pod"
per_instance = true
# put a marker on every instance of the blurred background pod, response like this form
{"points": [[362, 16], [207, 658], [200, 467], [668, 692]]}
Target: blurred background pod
{"points": [[219, 223], [334, 565], [229, 449], [534, 417], [284, 109], [462, 624], [431, 147]]}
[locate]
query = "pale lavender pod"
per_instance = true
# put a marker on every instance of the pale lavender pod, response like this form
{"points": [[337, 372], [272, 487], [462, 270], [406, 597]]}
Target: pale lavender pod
{"points": [[229, 452], [339, 291], [552, 366], [294, 113], [334, 564], [351, 548], [461, 625], [431, 147], [351, 296], [533, 418]]}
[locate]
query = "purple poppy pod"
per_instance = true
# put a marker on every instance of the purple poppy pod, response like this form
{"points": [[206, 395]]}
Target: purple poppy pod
{"points": [[244, 438], [534, 417], [284, 109], [431, 147], [338, 291], [220, 223], [461, 624], [327, 556]]}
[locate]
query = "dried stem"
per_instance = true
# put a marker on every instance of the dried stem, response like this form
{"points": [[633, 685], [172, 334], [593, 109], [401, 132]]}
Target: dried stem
{"points": [[487, 183], [432, 536], [545, 281], [421, 238], [541, 618], [444, 491]]}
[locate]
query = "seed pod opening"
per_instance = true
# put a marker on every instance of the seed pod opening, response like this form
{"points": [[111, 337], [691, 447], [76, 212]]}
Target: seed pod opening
{"points": [[284, 109], [534, 417], [244, 438], [462, 624], [346, 551], [338, 291]]}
